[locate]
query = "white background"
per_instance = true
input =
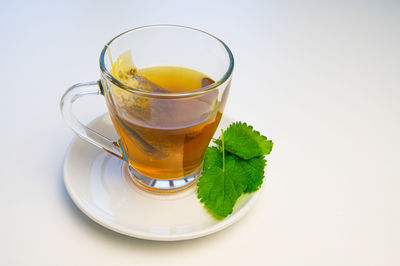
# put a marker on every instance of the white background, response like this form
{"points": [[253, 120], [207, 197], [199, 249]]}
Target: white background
{"points": [[321, 79]]}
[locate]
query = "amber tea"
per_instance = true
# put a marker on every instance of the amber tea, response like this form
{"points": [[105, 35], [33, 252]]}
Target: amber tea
{"points": [[164, 138]]}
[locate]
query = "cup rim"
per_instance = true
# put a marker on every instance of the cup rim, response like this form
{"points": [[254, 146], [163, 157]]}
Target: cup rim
{"points": [[202, 90]]}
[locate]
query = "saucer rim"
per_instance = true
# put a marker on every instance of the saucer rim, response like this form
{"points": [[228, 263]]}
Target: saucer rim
{"points": [[221, 224]]}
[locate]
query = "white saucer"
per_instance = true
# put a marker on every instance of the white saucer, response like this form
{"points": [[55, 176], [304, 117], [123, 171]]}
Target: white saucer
{"points": [[100, 186]]}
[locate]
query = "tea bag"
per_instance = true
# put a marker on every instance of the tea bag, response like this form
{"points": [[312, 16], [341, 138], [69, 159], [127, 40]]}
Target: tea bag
{"points": [[135, 109], [125, 71], [135, 106], [142, 115]]}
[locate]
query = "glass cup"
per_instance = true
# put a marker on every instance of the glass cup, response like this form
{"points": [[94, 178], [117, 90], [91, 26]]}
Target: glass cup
{"points": [[163, 135]]}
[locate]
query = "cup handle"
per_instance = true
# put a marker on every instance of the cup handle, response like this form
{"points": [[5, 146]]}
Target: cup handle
{"points": [[70, 96]]}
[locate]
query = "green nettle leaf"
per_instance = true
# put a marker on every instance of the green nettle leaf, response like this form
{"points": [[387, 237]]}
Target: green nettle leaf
{"points": [[241, 140], [254, 170], [212, 158], [236, 167], [219, 190]]}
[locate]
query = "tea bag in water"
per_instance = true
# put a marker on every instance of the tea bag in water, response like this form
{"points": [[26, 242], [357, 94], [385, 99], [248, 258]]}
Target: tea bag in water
{"points": [[145, 117], [134, 110], [135, 106], [125, 71]]}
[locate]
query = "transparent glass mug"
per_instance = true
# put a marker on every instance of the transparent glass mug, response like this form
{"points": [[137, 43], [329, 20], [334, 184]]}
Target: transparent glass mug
{"points": [[163, 135]]}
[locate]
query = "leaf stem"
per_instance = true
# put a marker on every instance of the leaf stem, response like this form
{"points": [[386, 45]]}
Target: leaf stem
{"points": [[223, 150]]}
